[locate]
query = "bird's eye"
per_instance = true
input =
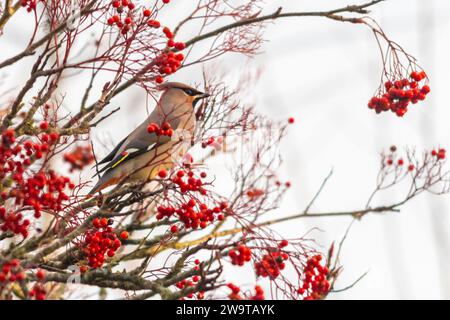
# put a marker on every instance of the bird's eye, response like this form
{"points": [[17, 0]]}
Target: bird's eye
{"points": [[189, 92]]}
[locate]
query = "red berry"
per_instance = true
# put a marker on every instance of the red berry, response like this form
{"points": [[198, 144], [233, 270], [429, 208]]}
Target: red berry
{"points": [[162, 173], [283, 243], [154, 24], [40, 296], [167, 32], [179, 57], [180, 45], [425, 89], [40, 274], [20, 276], [96, 223], [43, 125], [124, 235], [415, 76], [104, 222], [83, 269], [174, 229]]}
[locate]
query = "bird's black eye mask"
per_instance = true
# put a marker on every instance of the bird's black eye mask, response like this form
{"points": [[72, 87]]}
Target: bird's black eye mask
{"points": [[194, 93], [191, 92]]}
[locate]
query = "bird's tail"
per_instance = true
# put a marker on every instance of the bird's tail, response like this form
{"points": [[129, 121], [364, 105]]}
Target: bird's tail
{"points": [[104, 182], [95, 189], [98, 186]]}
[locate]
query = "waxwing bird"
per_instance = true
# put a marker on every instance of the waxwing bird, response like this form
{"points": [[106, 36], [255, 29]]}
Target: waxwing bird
{"points": [[141, 155]]}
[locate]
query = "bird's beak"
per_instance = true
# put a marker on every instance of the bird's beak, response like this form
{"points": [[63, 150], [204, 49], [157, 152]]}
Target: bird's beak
{"points": [[199, 97], [203, 96]]}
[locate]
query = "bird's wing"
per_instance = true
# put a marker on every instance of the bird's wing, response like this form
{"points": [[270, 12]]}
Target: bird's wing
{"points": [[134, 149], [138, 138], [111, 155]]}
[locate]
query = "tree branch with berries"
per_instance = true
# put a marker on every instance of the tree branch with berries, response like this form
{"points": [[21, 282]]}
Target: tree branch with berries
{"points": [[173, 236]]}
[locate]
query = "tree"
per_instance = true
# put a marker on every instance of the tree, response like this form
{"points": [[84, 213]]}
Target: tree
{"points": [[171, 237]]}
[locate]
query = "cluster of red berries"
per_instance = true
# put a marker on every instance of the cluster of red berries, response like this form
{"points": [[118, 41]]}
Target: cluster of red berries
{"points": [[315, 283], [40, 149], [38, 291], [234, 295], [399, 94], [164, 130], [240, 255], [170, 42], [14, 157], [101, 241], [123, 24], [11, 272], [8, 137], [254, 193], [187, 181], [168, 62], [271, 264], [439, 154], [79, 158], [191, 214], [197, 264], [29, 4], [41, 191], [14, 222], [259, 294], [400, 163], [186, 283], [235, 290]]}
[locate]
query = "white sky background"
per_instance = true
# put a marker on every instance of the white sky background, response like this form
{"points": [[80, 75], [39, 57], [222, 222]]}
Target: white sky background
{"points": [[323, 72]]}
